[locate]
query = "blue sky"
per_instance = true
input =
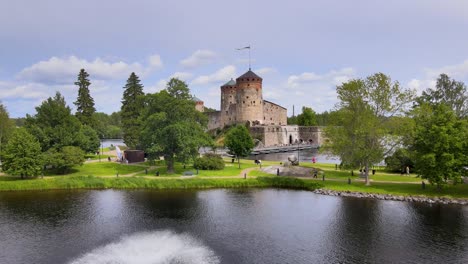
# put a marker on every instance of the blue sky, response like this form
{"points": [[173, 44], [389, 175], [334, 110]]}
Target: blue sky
{"points": [[302, 49]]}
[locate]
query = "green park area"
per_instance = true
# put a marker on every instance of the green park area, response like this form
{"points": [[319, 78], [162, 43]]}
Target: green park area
{"points": [[103, 175]]}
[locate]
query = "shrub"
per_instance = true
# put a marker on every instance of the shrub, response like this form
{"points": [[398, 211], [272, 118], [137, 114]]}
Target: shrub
{"points": [[209, 161]]}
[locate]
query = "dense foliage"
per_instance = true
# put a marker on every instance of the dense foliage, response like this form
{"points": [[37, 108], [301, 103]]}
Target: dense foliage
{"points": [[6, 128], [22, 155], [132, 107], [364, 132], [209, 161], [239, 142], [84, 103], [171, 127]]}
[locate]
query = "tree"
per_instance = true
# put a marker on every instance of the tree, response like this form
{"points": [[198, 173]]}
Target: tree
{"points": [[239, 142], [399, 160], [6, 127], [450, 92], [66, 158], [364, 129], [22, 155], [440, 143], [132, 107], [171, 127], [178, 89], [307, 117], [55, 127], [84, 102]]}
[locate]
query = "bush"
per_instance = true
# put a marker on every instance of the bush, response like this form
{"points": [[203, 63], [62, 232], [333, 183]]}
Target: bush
{"points": [[209, 162]]}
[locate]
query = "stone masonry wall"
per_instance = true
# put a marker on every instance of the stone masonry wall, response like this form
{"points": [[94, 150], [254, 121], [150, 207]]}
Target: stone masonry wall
{"points": [[274, 114]]}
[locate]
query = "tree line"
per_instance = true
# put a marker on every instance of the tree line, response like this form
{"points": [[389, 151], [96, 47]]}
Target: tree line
{"points": [[375, 119]]}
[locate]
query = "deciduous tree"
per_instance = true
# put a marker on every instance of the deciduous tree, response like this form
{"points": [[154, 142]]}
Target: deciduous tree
{"points": [[440, 143], [307, 117], [239, 142], [172, 127], [364, 130], [22, 155], [6, 127]]}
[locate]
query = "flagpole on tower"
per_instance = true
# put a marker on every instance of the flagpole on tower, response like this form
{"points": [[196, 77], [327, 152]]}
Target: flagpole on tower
{"points": [[247, 47]]}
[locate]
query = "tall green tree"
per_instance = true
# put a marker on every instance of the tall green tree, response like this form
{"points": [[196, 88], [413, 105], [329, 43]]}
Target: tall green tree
{"points": [[6, 127], [55, 127], [132, 107], [22, 155], [178, 89], [440, 143], [239, 142], [64, 159], [450, 92], [363, 131], [84, 103], [307, 117], [172, 128]]}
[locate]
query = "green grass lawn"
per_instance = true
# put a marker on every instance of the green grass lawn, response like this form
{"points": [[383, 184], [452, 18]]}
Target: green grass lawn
{"points": [[404, 189], [103, 168], [91, 182]]}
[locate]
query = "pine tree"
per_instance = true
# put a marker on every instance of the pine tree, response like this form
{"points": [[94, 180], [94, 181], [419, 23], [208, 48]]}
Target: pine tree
{"points": [[132, 106], [84, 103]]}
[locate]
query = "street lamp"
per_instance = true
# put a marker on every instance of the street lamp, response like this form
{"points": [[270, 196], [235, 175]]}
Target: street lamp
{"points": [[298, 152]]}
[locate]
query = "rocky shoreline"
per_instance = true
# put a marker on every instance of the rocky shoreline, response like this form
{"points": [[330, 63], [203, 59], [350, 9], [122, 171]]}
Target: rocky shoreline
{"points": [[421, 199]]}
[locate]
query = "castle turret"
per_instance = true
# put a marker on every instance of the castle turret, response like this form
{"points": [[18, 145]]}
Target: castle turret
{"points": [[249, 98], [228, 102]]}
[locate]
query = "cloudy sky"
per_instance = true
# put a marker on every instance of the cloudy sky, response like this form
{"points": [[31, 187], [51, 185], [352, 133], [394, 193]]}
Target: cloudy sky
{"points": [[301, 48]]}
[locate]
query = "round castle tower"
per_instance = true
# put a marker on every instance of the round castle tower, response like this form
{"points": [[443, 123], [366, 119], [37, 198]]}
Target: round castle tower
{"points": [[249, 98], [228, 103]]}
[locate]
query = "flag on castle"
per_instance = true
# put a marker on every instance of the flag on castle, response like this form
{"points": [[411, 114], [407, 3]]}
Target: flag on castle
{"points": [[248, 47]]}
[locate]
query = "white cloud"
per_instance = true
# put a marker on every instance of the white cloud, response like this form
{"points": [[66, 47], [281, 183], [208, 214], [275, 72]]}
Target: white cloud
{"points": [[198, 58], [264, 71], [182, 75], [23, 91], [160, 85], [333, 78], [458, 72], [65, 70], [222, 75], [155, 61]]}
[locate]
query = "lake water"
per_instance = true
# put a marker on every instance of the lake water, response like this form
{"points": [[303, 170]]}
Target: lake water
{"points": [[225, 226], [114, 142]]}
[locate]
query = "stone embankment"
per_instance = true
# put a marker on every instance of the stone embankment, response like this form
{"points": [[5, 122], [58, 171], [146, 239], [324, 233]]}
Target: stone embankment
{"points": [[422, 199]]}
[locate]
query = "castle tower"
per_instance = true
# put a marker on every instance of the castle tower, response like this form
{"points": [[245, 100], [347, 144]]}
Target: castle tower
{"points": [[249, 99], [228, 103]]}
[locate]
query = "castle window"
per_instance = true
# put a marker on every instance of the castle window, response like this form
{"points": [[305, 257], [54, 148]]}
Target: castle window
{"points": [[254, 102], [271, 118], [247, 97], [248, 84], [243, 102]]}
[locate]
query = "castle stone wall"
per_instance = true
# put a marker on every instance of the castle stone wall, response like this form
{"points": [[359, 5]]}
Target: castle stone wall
{"points": [[214, 120], [249, 101], [274, 114], [275, 135]]}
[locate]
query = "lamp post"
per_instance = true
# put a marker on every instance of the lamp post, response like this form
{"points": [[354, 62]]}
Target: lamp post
{"points": [[99, 151], [102, 146], [298, 152]]}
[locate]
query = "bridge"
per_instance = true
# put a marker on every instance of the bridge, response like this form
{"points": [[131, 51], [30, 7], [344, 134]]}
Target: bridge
{"points": [[267, 150], [286, 148]]}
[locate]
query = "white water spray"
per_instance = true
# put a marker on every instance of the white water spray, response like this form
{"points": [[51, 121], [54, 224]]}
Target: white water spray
{"points": [[159, 247]]}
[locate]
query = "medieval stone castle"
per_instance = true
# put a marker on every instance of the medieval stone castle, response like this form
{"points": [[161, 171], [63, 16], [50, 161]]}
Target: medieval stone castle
{"points": [[242, 103]]}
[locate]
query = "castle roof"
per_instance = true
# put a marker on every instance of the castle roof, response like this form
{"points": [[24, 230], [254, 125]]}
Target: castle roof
{"points": [[230, 83], [249, 74], [196, 99]]}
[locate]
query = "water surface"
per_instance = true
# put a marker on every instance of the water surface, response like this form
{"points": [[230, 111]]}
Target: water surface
{"points": [[226, 226]]}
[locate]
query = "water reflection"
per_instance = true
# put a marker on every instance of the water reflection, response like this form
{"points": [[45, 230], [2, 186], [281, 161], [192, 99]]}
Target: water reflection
{"points": [[237, 226]]}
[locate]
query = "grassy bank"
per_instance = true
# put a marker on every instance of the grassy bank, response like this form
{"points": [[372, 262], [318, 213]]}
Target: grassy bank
{"points": [[92, 182], [399, 189]]}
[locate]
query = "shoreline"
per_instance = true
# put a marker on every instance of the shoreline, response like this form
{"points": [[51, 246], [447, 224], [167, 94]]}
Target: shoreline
{"points": [[390, 197]]}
